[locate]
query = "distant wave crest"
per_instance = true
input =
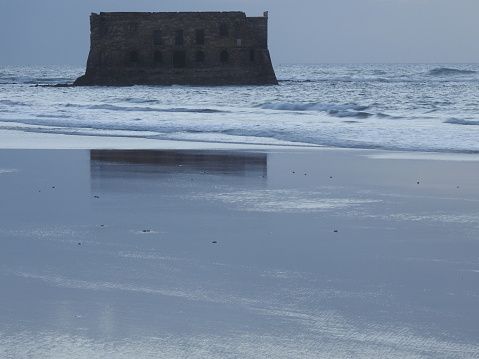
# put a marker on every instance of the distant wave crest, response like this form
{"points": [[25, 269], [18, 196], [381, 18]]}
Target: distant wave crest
{"points": [[295, 106], [145, 109], [446, 71], [25, 80], [458, 121], [11, 103]]}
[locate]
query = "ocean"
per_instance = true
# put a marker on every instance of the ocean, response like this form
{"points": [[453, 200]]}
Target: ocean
{"points": [[399, 107]]}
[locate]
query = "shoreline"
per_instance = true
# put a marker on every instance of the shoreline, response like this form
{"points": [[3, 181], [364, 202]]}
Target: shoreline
{"points": [[24, 140], [251, 251]]}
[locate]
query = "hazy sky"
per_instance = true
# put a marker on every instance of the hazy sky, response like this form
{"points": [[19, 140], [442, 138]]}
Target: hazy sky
{"points": [[57, 31]]}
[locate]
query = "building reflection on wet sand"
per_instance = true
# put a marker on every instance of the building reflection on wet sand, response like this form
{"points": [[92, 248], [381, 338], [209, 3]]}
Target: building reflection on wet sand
{"points": [[107, 162]]}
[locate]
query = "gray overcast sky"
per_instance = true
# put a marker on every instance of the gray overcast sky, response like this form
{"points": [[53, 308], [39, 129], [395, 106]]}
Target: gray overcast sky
{"points": [[312, 31]]}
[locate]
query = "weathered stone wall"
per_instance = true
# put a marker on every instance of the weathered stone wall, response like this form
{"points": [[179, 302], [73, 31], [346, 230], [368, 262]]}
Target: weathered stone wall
{"points": [[196, 48]]}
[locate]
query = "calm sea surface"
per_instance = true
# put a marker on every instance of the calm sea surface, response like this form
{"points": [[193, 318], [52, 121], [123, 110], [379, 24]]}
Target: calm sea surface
{"points": [[410, 107]]}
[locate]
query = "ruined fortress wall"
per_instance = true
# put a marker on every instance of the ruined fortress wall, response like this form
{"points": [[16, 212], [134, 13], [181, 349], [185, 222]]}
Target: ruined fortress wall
{"points": [[197, 48]]}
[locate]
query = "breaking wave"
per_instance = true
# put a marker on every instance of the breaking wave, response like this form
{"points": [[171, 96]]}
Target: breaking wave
{"points": [[332, 110]]}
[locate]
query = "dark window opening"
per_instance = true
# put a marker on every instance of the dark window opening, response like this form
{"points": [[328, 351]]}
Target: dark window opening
{"points": [[133, 29], [158, 37], [158, 56], [103, 27], [224, 57], [179, 59], [179, 37], [223, 30], [200, 56], [134, 56], [200, 37], [251, 55], [238, 31]]}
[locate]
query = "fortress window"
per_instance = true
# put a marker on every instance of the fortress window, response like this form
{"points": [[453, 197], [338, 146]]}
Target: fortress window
{"points": [[251, 55], [200, 37], [179, 37], [158, 56], [238, 31], [134, 56], [158, 37], [103, 27], [133, 29], [179, 59], [224, 30], [224, 57], [200, 56]]}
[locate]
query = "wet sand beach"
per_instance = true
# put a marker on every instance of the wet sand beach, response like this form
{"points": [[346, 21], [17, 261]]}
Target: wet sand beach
{"points": [[237, 252]]}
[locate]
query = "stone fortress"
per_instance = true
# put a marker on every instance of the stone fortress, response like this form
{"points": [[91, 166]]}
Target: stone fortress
{"points": [[185, 48]]}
